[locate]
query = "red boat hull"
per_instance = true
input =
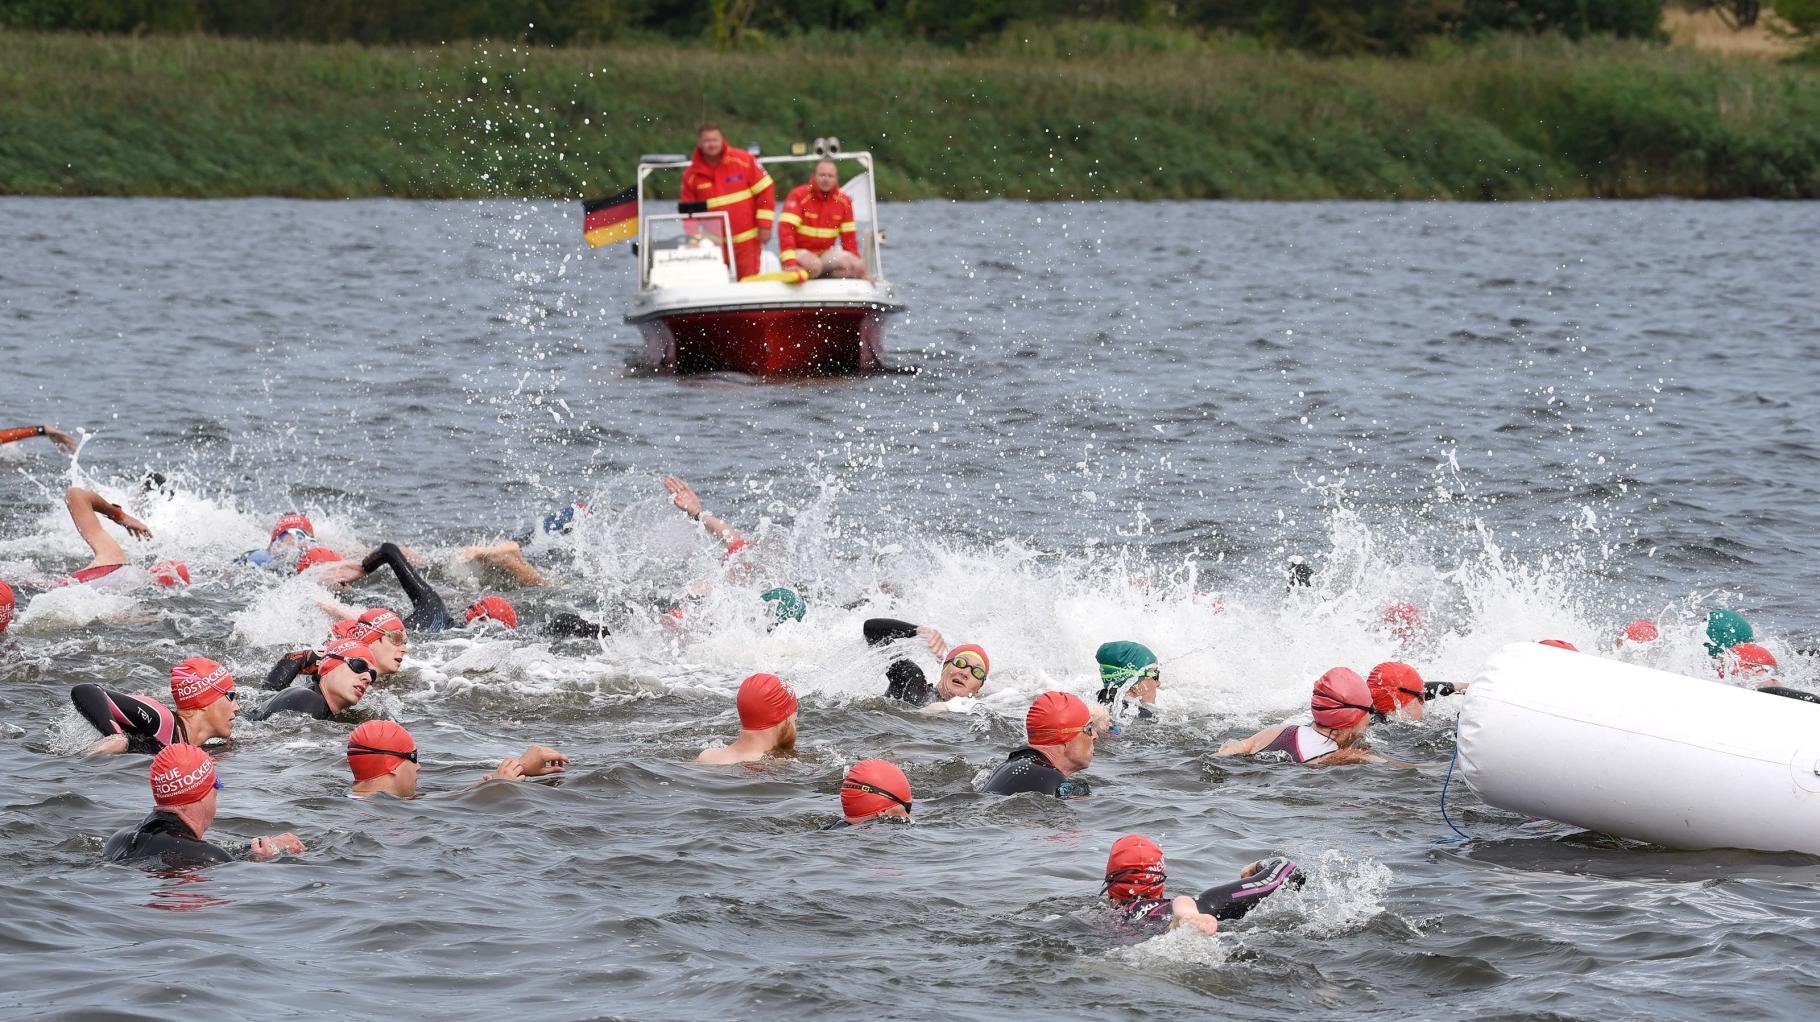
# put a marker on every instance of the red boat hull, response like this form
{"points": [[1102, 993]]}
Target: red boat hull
{"points": [[767, 342]]}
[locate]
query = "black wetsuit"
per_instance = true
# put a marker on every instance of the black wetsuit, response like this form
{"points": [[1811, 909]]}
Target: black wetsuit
{"points": [[1437, 689], [905, 680], [1227, 901], [148, 726], [285, 671], [1790, 693], [573, 626], [428, 614], [306, 698], [165, 837], [1029, 770]]}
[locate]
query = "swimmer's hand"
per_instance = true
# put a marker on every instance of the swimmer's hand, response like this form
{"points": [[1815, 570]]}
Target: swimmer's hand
{"points": [[684, 498], [271, 847], [539, 760], [64, 442], [134, 526], [112, 745], [1252, 870], [335, 574], [1184, 912], [937, 644], [1102, 717]]}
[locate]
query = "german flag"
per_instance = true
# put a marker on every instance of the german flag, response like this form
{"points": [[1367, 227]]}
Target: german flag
{"points": [[605, 221]]}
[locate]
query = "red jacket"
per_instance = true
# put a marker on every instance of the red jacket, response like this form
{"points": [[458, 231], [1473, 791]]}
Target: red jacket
{"points": [[812, 222], [737, 185]]}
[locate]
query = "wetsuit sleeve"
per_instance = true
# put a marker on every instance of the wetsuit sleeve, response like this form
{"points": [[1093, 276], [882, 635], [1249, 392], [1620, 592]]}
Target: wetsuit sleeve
{"points": [[294, 700], [428, 613], [1233, 900], [7, 436], [573, 626], [146, 724], [880, 630], [1437, 689], [286, 671]]}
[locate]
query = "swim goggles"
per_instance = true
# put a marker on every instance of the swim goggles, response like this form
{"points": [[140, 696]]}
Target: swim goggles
{"points": [[1148, 876], [368, 750], [872, 789], [1335, 704], [972, 668], [356, 664]]}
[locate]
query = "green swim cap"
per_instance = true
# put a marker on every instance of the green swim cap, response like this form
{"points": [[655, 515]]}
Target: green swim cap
{"points": [[1120, 662], [783, 605], [1725, 629]]}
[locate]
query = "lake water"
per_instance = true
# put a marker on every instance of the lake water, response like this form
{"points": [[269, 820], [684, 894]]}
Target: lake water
{"points": [[1533, 420]]}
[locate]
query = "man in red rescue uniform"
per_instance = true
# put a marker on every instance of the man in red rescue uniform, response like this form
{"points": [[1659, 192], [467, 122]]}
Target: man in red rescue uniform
{"points": [[815, 216], [729, 180]]}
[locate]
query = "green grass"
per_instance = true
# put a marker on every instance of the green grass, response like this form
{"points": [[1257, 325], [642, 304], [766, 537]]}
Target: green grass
{"points": [[1059, 113]]}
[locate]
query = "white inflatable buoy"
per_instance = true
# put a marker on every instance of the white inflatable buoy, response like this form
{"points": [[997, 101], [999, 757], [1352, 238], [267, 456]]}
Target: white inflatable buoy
{"points": [[1641, 753]]}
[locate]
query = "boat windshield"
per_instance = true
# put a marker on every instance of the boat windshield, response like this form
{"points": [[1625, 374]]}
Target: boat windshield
{"points": [[683, 249]]}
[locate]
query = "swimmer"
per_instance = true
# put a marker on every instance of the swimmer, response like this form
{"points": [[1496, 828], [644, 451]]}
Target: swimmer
{"points": [[874, 790], [964, 668], [688, 503], [1061, 731], [383, 758], [1129, 678], [6, 606], [1135, 879], [782, 604], [344, 673], [86, 509], [1399, 693], [1725, 629], [64, 442], [508, 557], [562, 625], [379, 628], [293, 536], [1748, 663], [767, 723], [1342, 714], [1405, 621], [183, 796], [428, 612], [203, 691], [1640, 632]]}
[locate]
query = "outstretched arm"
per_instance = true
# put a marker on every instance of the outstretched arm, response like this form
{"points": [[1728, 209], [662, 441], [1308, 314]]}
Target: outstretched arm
{"points": [[63, 440], [1250, 746], [686, 500], [86, 508], [507, 557]]}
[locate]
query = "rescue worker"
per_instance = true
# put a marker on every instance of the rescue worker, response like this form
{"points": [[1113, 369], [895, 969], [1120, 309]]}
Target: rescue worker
{"points": [[721, 179], [815, 216]]}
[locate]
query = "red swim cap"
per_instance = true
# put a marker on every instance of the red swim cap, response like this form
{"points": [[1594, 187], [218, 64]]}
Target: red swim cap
{"points": [[171, 573], [314, 556], [377, 748], [182, 774], [1639, 631], [6, 606], [1392, 685], [1341, 698], [376, 621], [1055, 717], [975, 650], [341, 651], [1747, 658], [764, 701], [493, 608], [1560, 644], [292, 521], [198, 682], [1135, 869], [346, 629], [1404, 619], [872, 787]]}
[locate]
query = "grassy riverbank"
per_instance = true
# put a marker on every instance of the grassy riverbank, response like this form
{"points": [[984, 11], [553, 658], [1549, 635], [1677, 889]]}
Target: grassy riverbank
{"points": [[1139, 116]]}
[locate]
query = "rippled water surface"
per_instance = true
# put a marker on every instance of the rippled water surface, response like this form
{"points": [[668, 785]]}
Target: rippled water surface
{"points": [[1123, 421]]}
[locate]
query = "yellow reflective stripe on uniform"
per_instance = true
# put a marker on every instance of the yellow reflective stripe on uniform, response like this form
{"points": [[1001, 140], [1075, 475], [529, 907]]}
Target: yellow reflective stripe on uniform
{"points": [[729, 199], [818, 232], [767, 214], [791, 219], [787, 254], [745, 236], [849, 228], [763, 183]]}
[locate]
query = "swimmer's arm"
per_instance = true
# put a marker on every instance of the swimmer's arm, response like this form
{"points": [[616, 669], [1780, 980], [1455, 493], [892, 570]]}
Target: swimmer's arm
{"points": [[507, 557], [86, 508], [1184, 912], [336, 609], [1349, 757], [1250, 746], [537, 761], [688, 503], [112, 745], [63, 440], [1437, 689], [881, 630]]}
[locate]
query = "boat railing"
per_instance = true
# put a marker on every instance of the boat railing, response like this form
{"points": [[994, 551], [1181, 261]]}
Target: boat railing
{"points": [[860, 187]]}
